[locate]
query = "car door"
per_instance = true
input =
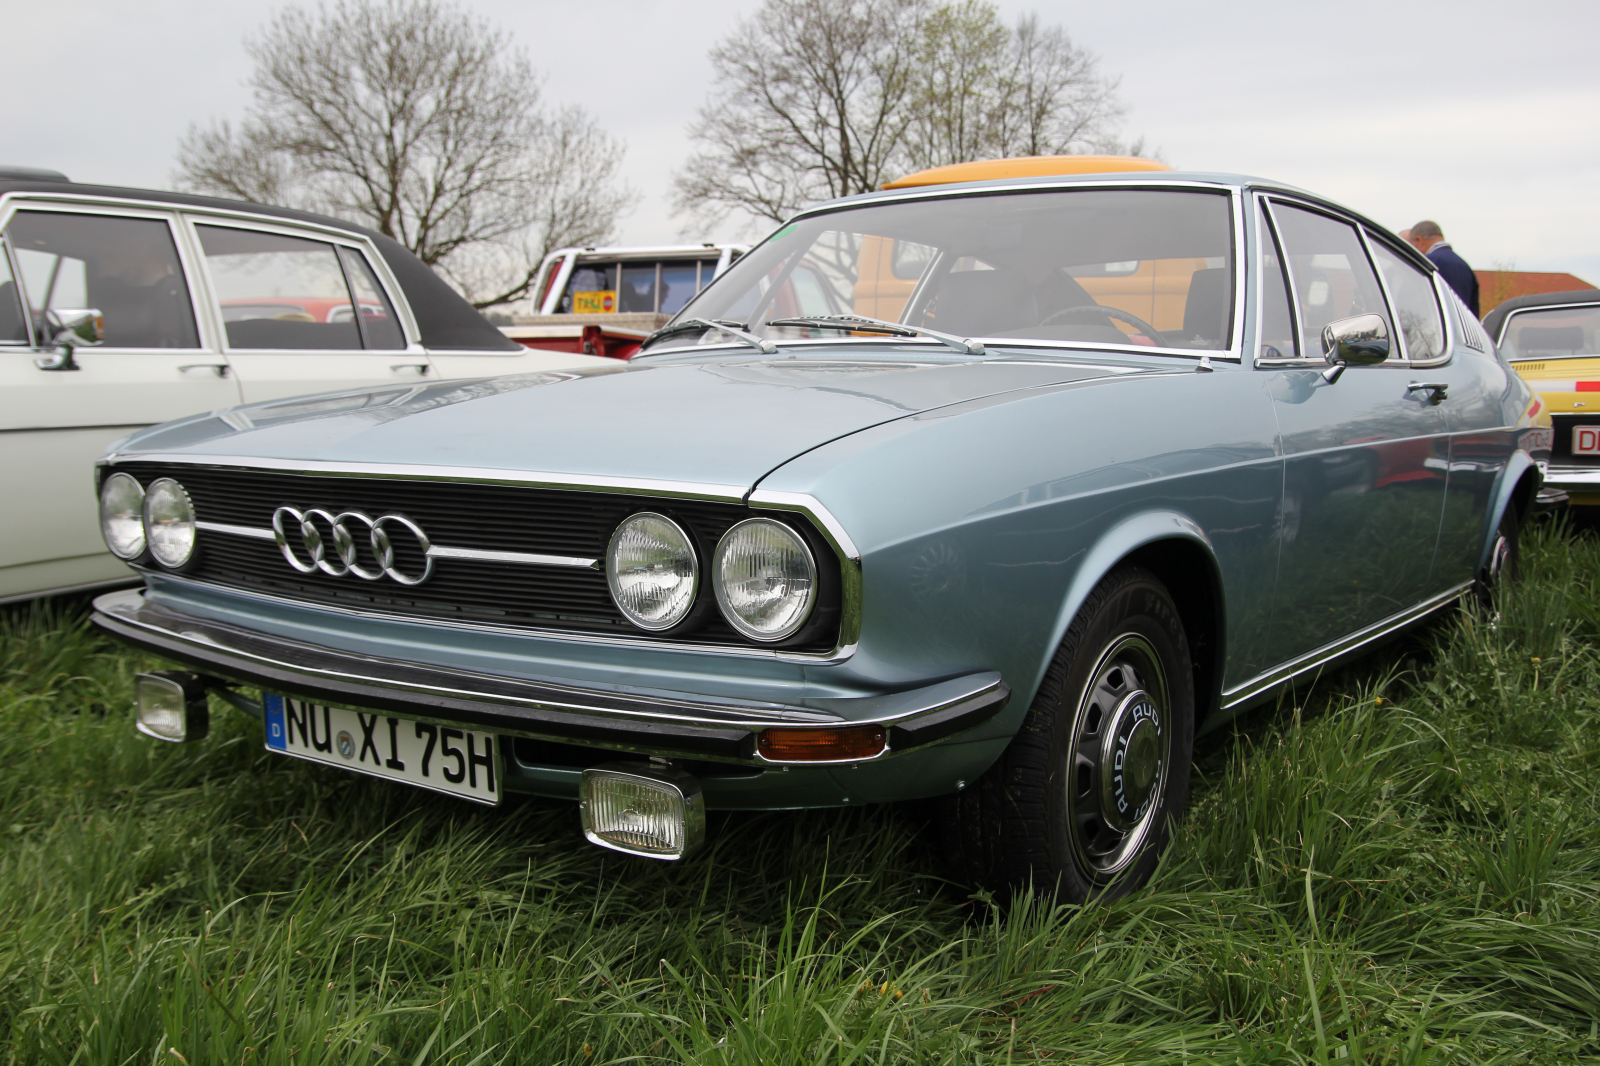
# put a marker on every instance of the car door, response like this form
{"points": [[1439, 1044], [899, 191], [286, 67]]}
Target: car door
{"points": [[302, 312], [155, 363], [1473, 401], [1365, 457]]}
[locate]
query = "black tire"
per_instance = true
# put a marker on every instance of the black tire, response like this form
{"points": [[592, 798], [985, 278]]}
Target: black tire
{"points": [[1504, 566], [1051, 813]]}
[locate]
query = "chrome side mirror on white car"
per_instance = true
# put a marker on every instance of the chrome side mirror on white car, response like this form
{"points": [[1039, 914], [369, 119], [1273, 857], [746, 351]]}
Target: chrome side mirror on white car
{"points": [[71, 329]]}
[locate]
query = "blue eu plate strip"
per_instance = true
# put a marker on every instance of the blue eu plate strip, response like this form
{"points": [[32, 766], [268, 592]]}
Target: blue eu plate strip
{"points": [[274, 708]]}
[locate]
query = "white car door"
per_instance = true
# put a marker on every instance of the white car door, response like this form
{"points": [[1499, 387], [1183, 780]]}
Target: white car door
{"points": [[156, 363], [288, 302]]}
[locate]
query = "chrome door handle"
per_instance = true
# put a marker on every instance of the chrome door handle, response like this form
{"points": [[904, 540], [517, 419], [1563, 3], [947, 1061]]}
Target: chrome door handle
{"points": [[1437, 390], [220, 369], [420, 368]]}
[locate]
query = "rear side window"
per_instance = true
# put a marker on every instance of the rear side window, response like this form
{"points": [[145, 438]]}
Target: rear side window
{"points": [[1329, 270], [1416, 305], [289, 293], [126, 268], [1553, 333]]}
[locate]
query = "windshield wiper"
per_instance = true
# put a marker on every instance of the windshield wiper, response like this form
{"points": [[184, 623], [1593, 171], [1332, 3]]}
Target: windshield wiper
{"points": [[864, 324], [732, 329]]}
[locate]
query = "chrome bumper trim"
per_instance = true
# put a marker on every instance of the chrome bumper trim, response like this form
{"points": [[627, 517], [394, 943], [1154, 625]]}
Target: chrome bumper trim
{"points": [[1582, 478], [654, 723]]}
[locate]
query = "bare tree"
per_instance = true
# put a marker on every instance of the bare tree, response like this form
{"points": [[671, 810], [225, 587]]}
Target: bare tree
{"points": [[823, 98], [421, 121], [811, 101]]}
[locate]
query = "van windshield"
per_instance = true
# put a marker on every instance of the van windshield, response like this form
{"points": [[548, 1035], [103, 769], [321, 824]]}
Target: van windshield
{"points": [[1148, 268]]}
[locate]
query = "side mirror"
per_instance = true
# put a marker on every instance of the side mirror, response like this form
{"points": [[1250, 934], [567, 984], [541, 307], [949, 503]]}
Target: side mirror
{"points": [[71, 329], [1359, 341]]}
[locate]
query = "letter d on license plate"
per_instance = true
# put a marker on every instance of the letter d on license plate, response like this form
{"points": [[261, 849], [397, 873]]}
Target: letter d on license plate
{"points": [[445, 758]]}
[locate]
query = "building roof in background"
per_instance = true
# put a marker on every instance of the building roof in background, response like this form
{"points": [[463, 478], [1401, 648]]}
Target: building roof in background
{"points": [[1033, 166], [1495, 287]]}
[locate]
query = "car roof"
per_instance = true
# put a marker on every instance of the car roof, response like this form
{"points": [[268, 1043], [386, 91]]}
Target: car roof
{"points": [[1031, 166], [1496, 318], [444, 318], [1145, 178]]}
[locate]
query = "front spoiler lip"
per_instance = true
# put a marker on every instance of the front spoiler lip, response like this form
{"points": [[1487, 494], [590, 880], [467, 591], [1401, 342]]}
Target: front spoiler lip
{"points": [[664, 724]]}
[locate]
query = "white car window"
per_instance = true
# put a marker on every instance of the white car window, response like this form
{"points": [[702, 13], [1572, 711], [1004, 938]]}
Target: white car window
{"points": [[13, 326], [279, 293]]}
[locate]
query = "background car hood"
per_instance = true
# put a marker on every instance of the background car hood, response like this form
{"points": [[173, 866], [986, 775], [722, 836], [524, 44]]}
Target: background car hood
{"points": [[714, 421]]}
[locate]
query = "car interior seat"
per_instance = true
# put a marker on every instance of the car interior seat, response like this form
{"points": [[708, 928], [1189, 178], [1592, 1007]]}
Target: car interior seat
{"points": [[1550, 340], [978, 303], [1205, 311]]}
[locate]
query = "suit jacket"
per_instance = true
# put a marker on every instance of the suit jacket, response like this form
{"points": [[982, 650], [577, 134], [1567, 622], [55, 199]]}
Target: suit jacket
{"points": [[1459, 275]]}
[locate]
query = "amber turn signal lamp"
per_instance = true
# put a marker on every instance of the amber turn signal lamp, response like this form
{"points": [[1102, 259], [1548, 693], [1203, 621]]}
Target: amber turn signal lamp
{"points": [[821, 745]]}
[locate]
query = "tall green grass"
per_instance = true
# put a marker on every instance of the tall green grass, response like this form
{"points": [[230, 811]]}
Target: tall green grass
{"points": [[1399, 865]]}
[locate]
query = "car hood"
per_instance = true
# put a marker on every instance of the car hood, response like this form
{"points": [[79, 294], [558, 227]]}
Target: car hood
{"points": [[724, 422]]}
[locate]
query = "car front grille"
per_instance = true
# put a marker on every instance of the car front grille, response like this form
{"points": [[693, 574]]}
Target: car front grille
{"points": [[507, 518]]}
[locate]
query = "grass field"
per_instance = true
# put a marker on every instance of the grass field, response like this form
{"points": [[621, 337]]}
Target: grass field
{"points": [[1402, 865]]}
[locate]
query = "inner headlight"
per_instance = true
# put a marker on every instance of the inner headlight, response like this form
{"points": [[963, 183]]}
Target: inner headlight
{"points": [[122, 515], [765, 579], [652, 571], [169, 522]]}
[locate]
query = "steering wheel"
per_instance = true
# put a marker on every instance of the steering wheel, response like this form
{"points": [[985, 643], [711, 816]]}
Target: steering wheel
{"points": [[1108, 313]]}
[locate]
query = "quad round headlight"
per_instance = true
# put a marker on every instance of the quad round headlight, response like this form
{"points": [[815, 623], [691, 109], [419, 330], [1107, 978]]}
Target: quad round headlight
{"points": [[169, 522], [652, 570], [765, 579], [122, 515]]}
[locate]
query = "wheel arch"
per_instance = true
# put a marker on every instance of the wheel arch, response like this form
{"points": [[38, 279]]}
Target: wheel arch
{"points": [[1518, 485], [1177, 551]]}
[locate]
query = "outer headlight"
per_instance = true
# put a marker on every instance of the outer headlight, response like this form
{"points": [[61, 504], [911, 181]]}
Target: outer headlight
{"points": [[765, 579], [652, 571], [169, 522], [122, 515]]}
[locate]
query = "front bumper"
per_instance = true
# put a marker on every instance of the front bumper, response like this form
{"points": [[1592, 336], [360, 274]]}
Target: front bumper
{"points": [[666, 724]]}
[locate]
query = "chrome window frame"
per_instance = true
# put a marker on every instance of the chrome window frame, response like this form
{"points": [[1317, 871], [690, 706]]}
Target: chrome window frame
{"points": [[325, 234], [832, 531], [13, 203], [1506, 325], [1272, 197], [1231, 353], [1447, 341], [1267, 231]]}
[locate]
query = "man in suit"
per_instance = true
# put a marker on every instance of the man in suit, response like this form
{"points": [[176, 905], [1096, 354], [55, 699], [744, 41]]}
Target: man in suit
{"points": [[1428, 239]]}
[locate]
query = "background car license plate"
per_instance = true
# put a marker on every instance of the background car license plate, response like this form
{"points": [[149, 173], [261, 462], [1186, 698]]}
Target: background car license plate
{"points": [[445, 758], [1586, 440]]}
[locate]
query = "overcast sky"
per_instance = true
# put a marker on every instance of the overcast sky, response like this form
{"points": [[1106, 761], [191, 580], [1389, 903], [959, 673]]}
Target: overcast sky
{"points": [[1483, 116]]}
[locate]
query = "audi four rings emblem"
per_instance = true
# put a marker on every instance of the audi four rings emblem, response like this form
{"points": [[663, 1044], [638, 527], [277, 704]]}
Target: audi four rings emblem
{"points": [[319, 530]]}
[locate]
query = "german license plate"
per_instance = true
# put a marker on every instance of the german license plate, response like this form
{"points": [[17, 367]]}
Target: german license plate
{"points": [[1586, 440], [461, 762]]}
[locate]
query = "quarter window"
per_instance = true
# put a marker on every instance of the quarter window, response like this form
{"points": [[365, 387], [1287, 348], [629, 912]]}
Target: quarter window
{"points": [[290, 293], [1277, 323], [1331, 275], [1416, 305], [126, 268]]}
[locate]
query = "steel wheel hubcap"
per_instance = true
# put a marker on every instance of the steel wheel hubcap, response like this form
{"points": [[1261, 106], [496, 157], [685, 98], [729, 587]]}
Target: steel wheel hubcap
{"points": [[1117, 766]]}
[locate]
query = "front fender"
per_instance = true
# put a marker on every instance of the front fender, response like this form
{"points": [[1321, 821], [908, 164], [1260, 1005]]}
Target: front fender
{"points": [[1117, 543], [1517, 467]]}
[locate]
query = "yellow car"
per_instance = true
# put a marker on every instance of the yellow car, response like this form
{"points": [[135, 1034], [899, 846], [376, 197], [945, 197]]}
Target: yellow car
{"points": [[1553, 341]]}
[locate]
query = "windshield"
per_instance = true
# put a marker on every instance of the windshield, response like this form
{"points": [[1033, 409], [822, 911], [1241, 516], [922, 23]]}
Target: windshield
{"points": [[1138, 267]]}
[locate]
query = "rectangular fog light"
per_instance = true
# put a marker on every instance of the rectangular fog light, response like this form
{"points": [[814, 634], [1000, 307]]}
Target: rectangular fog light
{"points": [[171, 706], [641, 809]]}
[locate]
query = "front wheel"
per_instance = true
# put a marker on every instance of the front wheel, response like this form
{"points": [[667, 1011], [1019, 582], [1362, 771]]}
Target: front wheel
{"points": [[1083, 800]]}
